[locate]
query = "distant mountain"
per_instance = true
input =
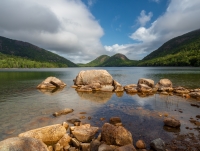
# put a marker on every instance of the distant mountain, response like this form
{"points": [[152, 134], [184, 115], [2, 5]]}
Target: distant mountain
{"points": [[31, 52], [116, 60], [96, 62], [183, 50]]}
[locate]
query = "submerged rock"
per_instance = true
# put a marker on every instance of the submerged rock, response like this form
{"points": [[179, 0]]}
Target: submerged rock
{"points": [[51, 82], [116, 135], [48, 134], [172, 122], [63, 112], [22, 144]]}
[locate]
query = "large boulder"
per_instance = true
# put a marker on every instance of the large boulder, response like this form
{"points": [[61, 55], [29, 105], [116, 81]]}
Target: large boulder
{"points": [[164, 85], [51, 83], [172, 122], [48, 134], [22, 144], [93, 76], [144, 88], [116, 135], [84, 133]]}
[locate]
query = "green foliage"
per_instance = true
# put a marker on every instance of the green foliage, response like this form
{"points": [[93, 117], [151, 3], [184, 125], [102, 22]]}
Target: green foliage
{"points": [[187, 42], [182, 58], [8, 61], [118, 60], [29, 51]]}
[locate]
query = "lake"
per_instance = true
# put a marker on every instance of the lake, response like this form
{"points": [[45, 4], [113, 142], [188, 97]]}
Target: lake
{"points": [[23, 107]]}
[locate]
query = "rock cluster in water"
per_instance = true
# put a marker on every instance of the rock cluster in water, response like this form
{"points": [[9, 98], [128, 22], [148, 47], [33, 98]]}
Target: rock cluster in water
{"points": [[101, 80], [113, 137]]}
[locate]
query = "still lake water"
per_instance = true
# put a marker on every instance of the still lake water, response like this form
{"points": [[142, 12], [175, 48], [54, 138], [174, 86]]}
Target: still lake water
{"points": [[23, 107]]}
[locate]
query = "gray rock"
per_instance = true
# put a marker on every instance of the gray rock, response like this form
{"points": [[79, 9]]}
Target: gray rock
{"points": [[48, 134], [22, 144], [158, 145], [116, 135], [94, 145]]}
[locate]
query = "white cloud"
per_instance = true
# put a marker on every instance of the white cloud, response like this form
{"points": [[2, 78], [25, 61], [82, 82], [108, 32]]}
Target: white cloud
{"points": [[157, 1], [62, 26], [143, 18], [91, 2], [181, 16]]}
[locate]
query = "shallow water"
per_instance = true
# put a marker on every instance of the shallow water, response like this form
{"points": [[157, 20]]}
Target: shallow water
{"points": [[23, 107]]}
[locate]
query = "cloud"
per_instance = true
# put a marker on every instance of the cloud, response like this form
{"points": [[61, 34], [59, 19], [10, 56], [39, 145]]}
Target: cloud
{"points": [[91, 2], [180, 17], [143, 18], [157, 1], [65, 27]]}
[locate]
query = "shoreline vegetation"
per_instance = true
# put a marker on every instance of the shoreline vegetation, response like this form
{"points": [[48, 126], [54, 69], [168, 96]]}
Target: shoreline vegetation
{"points": [[180, 51]]}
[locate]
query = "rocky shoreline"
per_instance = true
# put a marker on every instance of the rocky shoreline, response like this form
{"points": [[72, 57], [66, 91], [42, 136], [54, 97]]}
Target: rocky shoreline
{"points": [[112, 136]]}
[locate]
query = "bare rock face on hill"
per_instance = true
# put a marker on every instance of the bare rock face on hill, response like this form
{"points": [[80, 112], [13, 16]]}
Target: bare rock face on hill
{"points": [[51, 83], [96, 80]]}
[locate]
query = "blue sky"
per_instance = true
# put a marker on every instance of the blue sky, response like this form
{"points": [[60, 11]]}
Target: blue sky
{"points": [[119, 18], [82, 30]]}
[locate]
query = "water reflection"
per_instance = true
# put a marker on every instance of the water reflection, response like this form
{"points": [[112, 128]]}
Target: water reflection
{"points": [[50, 91], [96, 96]]}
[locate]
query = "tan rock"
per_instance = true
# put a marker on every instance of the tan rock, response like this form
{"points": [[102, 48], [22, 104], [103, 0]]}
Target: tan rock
{"points": [[172, 122], [128, 147], [147, 82], [65, 140], [108, 88], [49, 134], [93, 76], [118, 87], [51, 82], [144, 88], [22, 144], [63, 112], [84, 133], [140, 144], [84, 88], [164, 85], [181, 90], [115, 135], [195, 94], [130, 86]]}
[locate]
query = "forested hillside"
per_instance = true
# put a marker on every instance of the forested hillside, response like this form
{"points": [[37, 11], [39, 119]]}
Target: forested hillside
{"points": [[31, 52]]}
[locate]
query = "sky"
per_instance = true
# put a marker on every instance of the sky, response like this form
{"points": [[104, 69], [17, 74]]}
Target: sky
{"points": [[82, 30]]}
